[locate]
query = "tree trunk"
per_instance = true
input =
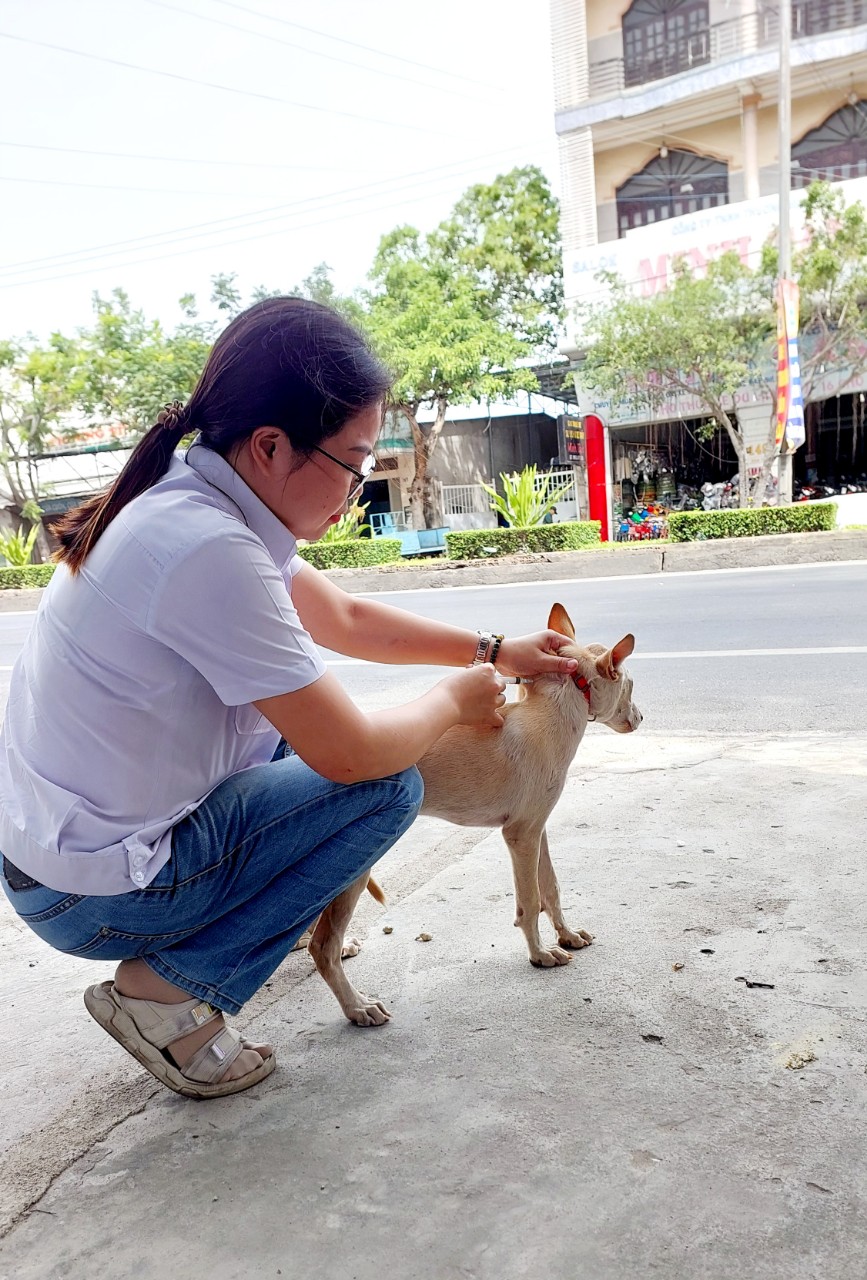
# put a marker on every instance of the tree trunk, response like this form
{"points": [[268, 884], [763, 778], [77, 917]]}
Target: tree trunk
{"points": [[422, 505], [737, 440], [760, 482]]}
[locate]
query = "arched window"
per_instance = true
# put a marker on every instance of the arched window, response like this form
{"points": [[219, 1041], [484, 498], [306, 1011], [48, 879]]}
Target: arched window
{"points": [[672, 184], [836, 150], [662, 37]]}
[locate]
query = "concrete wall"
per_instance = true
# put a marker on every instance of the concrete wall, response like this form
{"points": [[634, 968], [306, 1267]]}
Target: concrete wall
{"points": [[473, 451]]}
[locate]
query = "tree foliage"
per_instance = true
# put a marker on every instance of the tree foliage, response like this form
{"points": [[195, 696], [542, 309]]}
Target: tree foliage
{"points": [[130, 365], [507, 234], [39, 385], [460, 314]]}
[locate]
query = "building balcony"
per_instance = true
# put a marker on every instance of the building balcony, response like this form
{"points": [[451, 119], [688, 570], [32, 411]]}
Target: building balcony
{"points": [[720, 42]]}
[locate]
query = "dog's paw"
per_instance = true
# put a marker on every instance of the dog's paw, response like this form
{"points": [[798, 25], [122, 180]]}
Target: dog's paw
{"points": [[548, 957], [368, 1012], [576, 941], [351, 947]]}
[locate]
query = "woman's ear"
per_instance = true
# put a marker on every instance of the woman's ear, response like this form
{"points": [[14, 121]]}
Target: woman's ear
{"points": [[266, 446]]}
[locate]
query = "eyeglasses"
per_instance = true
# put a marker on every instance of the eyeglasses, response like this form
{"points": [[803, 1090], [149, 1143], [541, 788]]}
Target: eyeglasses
{"points": [[361, 476]]}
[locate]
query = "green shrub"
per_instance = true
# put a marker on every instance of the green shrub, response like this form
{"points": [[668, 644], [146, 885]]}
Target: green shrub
{"points": [[484, 544], [696, 526], [29, 575], [359, 553]]}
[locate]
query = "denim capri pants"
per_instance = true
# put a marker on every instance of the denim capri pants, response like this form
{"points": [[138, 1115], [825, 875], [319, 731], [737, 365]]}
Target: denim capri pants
{"points": [[250, 871]]}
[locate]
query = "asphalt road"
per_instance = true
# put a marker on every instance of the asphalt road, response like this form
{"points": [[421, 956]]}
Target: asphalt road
{"points": [[772, 650]]}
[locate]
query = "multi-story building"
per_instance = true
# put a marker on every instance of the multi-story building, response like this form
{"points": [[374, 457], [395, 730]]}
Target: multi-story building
{"points": [[666, 112]]}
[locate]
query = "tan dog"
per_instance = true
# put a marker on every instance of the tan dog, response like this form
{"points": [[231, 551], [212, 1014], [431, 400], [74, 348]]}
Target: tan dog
{"points": [[509, 778]]}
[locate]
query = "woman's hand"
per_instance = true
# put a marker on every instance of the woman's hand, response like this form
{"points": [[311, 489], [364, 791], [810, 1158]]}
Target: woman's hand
{"points": [[478, 693], [536, 655]]}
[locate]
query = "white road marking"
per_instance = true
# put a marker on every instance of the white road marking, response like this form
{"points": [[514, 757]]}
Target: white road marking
{"points": [[651, 657]]}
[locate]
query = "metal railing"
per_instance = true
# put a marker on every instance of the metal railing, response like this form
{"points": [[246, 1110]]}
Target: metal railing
{"points": [[464, 500], [383, 523], [723, 40]]}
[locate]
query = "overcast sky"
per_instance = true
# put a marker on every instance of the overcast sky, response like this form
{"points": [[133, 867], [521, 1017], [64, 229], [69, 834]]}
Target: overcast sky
{"points": [[258, 136]]}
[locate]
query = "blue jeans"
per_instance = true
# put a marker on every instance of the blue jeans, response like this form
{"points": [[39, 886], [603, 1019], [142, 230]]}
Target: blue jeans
{"points": [[250, 870]]}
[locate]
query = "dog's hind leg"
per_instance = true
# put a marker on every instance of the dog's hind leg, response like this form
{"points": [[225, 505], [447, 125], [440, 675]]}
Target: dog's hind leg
{"points": [[325, 947], [524, 843], [550, 894]]}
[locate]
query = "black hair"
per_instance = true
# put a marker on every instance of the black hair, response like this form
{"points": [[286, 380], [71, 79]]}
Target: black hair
{"points": [[284, 362]]}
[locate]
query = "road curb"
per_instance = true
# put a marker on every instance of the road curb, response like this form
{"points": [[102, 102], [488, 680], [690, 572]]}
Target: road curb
{"points": [[613, 560]]}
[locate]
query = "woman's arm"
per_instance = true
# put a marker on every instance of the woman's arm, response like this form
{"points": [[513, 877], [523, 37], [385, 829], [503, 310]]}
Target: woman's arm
{"points": [[377, 632], [342, 743]]}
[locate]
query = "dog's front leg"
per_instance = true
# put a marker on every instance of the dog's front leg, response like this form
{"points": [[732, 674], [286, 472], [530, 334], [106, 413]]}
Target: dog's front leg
{"points": [[325, 947], [523, 843], [550, 892]]}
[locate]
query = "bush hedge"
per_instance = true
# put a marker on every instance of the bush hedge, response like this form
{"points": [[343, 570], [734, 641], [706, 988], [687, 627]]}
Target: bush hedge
{"points": [[696, 526], [485, 544], [360, 553], [28, 575]]}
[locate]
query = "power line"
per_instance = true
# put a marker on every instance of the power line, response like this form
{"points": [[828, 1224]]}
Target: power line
{"points": [[107, 186], [177, 253], [242, 221], [316, 53], [134, 155], [327, 35], [223, 88]]}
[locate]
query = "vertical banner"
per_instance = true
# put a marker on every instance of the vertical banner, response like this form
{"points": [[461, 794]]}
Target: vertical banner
{"points": [[596, 442], [570, 436], [790, 400]]}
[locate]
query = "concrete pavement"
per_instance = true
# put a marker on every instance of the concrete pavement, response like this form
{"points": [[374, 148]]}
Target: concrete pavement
{"points": [[619, 1117]]}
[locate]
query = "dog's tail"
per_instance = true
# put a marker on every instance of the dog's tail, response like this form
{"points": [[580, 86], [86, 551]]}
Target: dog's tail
{"points": [[374, 890]]}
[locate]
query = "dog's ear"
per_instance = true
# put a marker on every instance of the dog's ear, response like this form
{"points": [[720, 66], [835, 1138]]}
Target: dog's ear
{"points": [[622, 650], [559, 620], [610, 662]]}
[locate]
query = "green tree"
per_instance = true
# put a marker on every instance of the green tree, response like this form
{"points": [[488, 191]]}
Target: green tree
{"points": [[131, 366], [507, 234], [705, 337], [711, 336], [39, 386], [424, 321], [460, 314]]}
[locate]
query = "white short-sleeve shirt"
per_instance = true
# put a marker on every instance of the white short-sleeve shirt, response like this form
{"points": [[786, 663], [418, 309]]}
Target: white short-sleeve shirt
{"points": [[131, 700]]}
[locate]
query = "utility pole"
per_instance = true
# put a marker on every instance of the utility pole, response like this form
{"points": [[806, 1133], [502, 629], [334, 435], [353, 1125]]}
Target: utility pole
{"points": [[784, 119]]}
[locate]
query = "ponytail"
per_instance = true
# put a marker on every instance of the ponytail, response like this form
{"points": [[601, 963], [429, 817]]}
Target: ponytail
{"points": [[80, 528]]}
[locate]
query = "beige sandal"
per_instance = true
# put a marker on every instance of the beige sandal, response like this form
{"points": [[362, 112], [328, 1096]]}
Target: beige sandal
{"points": [[145, 1028]]}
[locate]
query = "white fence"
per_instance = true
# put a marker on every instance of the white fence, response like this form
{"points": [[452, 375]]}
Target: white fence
{"points": [[468, 506]]}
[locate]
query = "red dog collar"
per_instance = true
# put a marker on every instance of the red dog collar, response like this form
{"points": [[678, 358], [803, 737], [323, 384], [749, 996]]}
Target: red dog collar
{"points": [[584, 685]]}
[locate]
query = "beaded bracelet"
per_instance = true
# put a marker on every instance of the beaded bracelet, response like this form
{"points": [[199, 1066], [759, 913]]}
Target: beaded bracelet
{"points": [[498, 640]]}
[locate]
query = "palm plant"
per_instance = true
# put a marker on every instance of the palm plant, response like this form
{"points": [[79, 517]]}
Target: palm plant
{"points": [[526, 498], [349, 527], [17, 550]]}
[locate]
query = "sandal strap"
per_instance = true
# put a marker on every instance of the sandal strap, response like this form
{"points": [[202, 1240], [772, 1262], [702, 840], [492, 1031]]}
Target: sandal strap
{"points": [[160, 1024], [210, 1063]]}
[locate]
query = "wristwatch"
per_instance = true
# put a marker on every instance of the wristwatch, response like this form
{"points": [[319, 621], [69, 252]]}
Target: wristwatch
{"points": [[486, 639]]}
